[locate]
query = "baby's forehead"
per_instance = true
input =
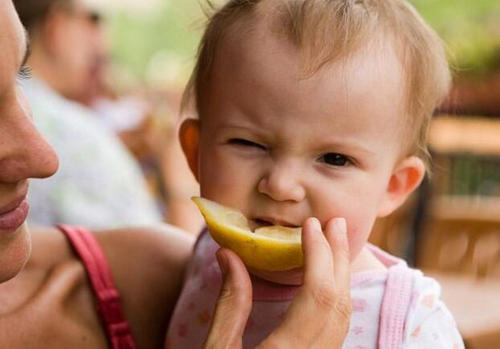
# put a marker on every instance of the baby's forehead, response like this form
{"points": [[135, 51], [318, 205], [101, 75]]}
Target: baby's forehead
{"points": [[264, 77], [260, 43], [260, 57]]}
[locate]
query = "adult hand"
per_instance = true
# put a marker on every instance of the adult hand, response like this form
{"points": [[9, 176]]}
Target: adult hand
{"points": [[318, 316]]}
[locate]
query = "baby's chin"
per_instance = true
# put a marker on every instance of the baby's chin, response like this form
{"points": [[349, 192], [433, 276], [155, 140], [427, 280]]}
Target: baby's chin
{"points": [[291, 277]]}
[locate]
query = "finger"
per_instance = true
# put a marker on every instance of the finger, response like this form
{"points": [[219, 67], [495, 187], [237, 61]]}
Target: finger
{"points": [[320, 312], [318, 261], [233, 305], [336, 234], [311, 308]]}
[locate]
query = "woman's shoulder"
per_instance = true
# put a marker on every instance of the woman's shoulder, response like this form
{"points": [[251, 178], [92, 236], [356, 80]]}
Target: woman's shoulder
{"points": [[147, 259], [147, 266], [127, 250]]}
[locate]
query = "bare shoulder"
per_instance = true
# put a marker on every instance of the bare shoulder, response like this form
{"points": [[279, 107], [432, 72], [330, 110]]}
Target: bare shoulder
{"points": [[148, 266], [131, 252], [49, 248], [156, 247]]}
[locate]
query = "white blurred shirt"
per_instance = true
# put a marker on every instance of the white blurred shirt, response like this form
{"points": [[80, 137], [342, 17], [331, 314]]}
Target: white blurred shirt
{"points": [[99, 184]]}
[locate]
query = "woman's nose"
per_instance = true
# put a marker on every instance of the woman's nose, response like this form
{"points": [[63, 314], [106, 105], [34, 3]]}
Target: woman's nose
{"points": [[282, 182], [24, 153]]}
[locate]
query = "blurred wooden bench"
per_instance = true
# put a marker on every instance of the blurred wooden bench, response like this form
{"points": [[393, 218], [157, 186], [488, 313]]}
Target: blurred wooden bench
{"points": [[465, 155], [461, 249], [460, 134], [462, 235]]}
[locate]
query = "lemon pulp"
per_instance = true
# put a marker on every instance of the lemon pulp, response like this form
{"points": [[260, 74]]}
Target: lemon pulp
{"points": [[272, 248]]}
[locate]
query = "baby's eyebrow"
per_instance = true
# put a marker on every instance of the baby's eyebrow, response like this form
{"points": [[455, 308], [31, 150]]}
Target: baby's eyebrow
{"points": [[347, 146]]}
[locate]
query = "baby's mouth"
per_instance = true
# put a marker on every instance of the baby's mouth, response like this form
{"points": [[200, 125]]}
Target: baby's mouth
{"points": [[256, 223]]}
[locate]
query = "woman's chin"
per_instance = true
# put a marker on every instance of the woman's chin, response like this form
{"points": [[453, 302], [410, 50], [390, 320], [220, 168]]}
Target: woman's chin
{"points": [[15, 250], [291, 277]]}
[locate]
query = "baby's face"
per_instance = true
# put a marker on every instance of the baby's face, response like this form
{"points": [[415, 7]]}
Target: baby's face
{"points": [[281, 148]]}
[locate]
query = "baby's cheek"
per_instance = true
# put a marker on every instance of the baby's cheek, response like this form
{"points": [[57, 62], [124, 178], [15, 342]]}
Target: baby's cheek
{"points": [[357, 234]]}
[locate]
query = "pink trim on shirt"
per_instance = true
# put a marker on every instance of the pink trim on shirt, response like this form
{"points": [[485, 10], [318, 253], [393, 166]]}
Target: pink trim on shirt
{"points": [[395, 305]]}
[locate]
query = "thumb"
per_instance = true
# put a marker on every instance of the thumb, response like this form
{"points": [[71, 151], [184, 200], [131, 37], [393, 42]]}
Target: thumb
{"points": [[233, 305]]}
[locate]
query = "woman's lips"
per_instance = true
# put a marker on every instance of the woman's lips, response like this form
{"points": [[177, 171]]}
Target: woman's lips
{"points": [[15, 217]]}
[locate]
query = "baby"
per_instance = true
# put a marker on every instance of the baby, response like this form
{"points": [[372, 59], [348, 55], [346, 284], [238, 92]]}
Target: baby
{"points": [[316, 108]]}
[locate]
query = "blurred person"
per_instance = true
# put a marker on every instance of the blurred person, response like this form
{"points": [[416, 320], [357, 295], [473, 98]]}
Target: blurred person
{"points": [[142, 125], [99, 184], [146, 122]]}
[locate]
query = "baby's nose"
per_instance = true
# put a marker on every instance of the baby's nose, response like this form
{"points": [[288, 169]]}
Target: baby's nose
{"points": [[282, 182]]}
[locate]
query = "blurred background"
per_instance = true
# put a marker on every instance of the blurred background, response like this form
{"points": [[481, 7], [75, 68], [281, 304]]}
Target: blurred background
{"points": [[450, 227]]}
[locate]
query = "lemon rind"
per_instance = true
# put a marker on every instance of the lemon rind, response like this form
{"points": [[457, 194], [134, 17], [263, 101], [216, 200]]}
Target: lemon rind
{"points": [[260, 252]]}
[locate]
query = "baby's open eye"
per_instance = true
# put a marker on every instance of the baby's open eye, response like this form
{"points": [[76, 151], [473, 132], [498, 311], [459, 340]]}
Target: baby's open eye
{"points": [[245, 143], [335, 159]]}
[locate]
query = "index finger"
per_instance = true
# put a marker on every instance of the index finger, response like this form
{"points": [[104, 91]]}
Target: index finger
{"points": [[319, 315], [316, 253], [336, 235]]}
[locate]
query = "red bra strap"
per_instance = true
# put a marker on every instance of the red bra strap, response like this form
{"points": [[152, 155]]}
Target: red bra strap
{"points": [[108, 299]]}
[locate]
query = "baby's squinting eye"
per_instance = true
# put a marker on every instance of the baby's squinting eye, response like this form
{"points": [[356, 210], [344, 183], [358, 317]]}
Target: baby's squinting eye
{"points": [[335, 159], [245, 143]]}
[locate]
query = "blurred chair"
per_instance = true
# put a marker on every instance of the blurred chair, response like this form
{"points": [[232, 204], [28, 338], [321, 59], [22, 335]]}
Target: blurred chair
{"points": [[465, 155], [460, 242], [460, 247], [463, 236]]}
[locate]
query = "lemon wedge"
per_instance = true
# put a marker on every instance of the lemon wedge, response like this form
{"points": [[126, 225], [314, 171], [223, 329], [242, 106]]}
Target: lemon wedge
{"points": [[273, 248]]}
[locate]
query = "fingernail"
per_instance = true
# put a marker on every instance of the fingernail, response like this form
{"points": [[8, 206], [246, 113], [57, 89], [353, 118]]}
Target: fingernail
{"points": [[222, 260], [341, 226], [315, 225]]}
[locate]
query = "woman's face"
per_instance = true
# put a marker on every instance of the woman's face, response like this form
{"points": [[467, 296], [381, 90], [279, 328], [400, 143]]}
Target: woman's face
{"points": [[23, 152]]}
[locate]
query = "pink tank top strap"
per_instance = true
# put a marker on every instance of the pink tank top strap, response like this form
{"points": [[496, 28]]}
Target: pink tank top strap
{"points": [[108, 299], [395, 305]]}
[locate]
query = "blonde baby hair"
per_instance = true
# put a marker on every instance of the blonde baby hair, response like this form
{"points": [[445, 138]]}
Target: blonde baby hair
{"points": [[325, 31]]}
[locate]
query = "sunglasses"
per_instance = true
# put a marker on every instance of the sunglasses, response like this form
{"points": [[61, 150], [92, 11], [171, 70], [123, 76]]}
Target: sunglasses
{"points": [[94, 17], [90, 15]]}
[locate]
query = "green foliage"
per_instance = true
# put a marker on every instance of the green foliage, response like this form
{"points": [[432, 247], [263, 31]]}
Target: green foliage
{"points": [[471, 29], [136, 38]]}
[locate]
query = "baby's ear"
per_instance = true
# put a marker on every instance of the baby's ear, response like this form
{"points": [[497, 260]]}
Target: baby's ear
{"points": [[189, 136], [405, 178]]}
